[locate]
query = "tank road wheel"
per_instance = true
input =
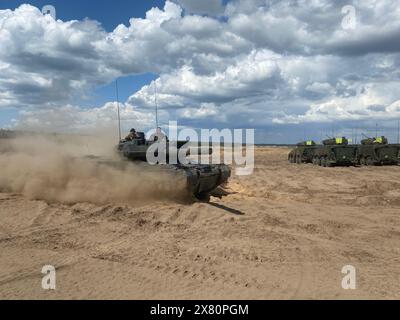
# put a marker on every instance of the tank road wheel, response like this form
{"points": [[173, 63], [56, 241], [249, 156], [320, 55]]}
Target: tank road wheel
{"points": [[203, 196], [314, 161], [298, 160], [369, 161], [323, 162]]}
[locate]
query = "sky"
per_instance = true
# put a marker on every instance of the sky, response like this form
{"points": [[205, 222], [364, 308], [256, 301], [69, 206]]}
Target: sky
{"points": [[291, 70]]}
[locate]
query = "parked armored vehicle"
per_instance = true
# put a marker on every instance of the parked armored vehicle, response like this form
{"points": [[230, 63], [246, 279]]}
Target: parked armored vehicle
{"points": [[335, 152], [303, 153], [202, 179], [377, 151]]}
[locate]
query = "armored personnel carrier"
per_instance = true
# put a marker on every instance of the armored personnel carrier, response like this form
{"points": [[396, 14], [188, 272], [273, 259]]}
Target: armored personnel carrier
{"points": [[303, 153], [377, 151], [335, 152], [202, 179]]}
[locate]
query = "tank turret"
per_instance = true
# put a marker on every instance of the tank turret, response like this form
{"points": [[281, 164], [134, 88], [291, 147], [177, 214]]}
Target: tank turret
{"points": [[379, 140], [307, 143], [335, 141]]}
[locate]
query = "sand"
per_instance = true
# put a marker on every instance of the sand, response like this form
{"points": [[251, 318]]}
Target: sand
{"points": [[284, 232]]}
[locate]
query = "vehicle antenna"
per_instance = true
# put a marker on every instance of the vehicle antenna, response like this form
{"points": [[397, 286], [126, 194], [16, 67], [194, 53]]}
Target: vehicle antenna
{"points": [[119, 118], [356, 136], [155, 101]]}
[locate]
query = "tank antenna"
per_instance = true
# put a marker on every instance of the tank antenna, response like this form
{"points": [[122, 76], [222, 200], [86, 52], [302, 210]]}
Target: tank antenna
{"points": [[119, 118], [155, 101], [356, 136]]}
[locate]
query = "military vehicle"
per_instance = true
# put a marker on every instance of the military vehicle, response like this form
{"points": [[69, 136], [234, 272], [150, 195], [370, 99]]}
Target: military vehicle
{"points": [[202, 179], [377, 151], [303, 153], [335, 152], [7, 134]]}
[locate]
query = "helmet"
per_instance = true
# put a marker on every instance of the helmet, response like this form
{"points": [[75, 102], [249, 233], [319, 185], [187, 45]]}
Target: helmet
{"points": [[132, 130]]}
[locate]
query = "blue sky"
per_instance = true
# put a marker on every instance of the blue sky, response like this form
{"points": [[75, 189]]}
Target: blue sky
{"points": [[288, 70]]}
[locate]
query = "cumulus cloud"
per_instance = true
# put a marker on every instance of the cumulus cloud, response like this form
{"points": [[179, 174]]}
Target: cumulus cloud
{"points": [[247, 63], [378, 101], [185, 88], [71, 118]]}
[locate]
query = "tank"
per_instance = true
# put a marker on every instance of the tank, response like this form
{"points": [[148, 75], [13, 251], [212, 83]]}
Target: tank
{"points": [[303, 153], [336, 152], [202, 179], [377, 151]]}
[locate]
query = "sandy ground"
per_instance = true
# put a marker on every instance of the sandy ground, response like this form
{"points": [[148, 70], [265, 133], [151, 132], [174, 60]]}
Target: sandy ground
{"points": [[285, 232]]}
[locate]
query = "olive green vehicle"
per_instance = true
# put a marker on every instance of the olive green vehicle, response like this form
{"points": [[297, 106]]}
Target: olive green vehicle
{"points": [[335, 152], [303, 153], [201, 179], [377, 151]]}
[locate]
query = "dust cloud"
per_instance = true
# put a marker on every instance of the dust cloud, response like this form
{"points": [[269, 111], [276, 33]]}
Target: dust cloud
{"points": [[56, 168]]}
